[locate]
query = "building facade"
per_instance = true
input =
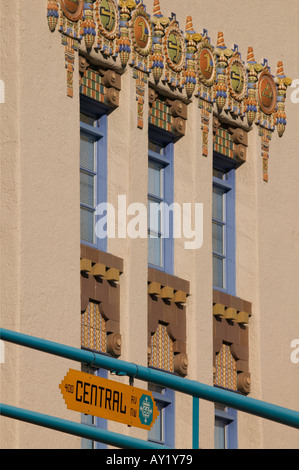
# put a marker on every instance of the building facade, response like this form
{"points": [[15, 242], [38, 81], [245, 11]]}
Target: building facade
{"points": [[148, 208]]}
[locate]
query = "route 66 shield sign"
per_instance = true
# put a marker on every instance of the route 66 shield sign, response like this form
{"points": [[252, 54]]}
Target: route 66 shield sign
{"points": [[146, 407]]}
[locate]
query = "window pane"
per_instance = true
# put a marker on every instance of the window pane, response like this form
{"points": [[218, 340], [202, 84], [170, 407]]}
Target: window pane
{"points": [[218, 265], [87, 224], [156, 432], [218, 203], [154, 179], [154, 249], [87, 119], [87, 152], [88, 420], [155, 147], [219, 174], [218, 238], [154, 216], [87, 189], [219, 433], [156, 388]]}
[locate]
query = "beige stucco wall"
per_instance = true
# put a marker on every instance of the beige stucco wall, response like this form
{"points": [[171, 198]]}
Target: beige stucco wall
{"points": [[40, 290], [40, 287]]}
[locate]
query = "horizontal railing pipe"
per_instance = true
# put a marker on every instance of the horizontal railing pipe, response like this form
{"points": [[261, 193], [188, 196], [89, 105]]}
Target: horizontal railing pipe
{"points": [[77, 429], [190, 387]]}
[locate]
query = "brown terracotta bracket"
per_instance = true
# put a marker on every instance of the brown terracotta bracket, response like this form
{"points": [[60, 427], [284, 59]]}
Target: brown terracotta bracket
{"points": [[230, 326], [167, 297], [100, 274], [109, 78], [176, 108]]}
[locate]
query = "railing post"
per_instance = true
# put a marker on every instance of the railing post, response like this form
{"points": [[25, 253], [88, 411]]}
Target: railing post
{"points": [[195, 423]]}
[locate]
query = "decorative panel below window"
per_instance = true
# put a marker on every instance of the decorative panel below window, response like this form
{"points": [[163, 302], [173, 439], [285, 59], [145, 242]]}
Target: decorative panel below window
{"points": [[226, 369], [93, 329], [167, 297], [100, 300], [231, 342], [162, 356]]}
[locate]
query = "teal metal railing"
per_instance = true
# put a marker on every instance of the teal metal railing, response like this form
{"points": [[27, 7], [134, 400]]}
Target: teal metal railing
{"points": [[190, 387]]}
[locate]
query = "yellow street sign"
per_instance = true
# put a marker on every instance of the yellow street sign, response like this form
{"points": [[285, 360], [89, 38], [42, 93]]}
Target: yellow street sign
{"points": [[107, 399]]}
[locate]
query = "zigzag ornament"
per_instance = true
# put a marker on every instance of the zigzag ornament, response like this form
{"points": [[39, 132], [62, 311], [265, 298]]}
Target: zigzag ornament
{"points": [[282, 82], [271, 96], [157, 59], [141, 32], [207, 73], [192, 39], [253, 69], [124, 42], [222, 54], [267, 101]]}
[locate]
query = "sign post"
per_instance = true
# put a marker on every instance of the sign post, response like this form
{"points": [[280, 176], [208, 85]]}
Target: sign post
{"points": [[107, 399]]}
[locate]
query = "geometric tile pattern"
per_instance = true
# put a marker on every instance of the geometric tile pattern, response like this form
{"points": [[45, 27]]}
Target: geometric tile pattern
{"points": [[160, 116], [226, 371], [92, 87], [223, 143], [93, 330], [162, 356]]}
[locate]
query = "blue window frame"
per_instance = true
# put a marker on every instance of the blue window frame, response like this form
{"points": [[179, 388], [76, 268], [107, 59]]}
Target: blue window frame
{"points": [[93, 170], [160, 193], [226, 428], [163, 430], [223, 226]]}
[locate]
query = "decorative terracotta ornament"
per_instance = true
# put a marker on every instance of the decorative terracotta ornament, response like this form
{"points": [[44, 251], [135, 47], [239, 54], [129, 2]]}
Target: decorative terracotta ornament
{"points": [[88, 26], [73, 9], [174, 50], [266, 115], [237, 85], [282, 83], [253, 69], [174, 46], [107, 19], [185, 62], [53, 14], [124, 43], [157, 60], [206, 63], [221, 90], [70, 48], [141, 30], [192, 39], [266, 136], [267, 93], [207, 74]]}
